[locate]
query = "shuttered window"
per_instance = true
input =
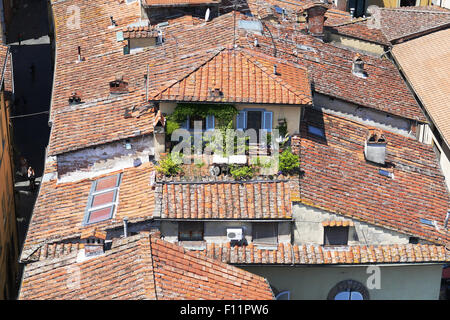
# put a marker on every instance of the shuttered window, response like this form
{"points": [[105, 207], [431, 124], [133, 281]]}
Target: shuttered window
{"points": [[241, 122], [265, 233], [267, 121]]}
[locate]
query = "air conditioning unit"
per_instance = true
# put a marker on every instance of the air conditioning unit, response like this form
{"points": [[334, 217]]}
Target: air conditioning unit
{"points": [[235, 234]]}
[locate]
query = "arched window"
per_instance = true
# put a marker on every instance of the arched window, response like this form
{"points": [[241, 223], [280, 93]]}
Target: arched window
{"points": [[349, 290]]}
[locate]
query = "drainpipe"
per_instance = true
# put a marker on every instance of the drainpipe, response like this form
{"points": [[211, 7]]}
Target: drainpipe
{"points": [[125, 227]]}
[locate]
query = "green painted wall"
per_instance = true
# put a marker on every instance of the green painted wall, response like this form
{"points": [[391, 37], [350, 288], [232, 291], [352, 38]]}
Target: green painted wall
{"points": [[405, 282]]}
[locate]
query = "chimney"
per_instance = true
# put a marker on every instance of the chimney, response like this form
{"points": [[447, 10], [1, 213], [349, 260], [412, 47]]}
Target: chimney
{"points": [[315, 18], [74, 98], [118, 86], [375, 147], [275, 69], [94, 242], [79, 55], [358, 67]]}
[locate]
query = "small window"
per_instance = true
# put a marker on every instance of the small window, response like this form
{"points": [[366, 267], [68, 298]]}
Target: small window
{"points": [[190, 231], [349, 290], [413, 240], [335, 236], [102, 199], [265, 233], [316, 131]]}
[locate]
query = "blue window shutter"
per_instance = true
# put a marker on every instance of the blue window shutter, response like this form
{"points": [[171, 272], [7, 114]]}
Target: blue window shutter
{"points": [[267, 121], [210, 121], [185, 124], [240, 120]]}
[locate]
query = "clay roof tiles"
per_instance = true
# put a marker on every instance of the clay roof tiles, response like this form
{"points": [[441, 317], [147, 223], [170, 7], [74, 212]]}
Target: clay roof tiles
{"points": [[225, 200], [288, 254], [60, 208], [338, 179], [140, 267]]}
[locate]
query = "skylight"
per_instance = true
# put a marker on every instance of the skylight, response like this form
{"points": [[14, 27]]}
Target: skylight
{"points": [[102, 199]]}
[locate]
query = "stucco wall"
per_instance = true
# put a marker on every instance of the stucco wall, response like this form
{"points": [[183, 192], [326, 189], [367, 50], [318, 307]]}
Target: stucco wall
{"points": [[309, 230], [216, 231], [363, 115], [104, 158], [401, 282], [355, 43]]}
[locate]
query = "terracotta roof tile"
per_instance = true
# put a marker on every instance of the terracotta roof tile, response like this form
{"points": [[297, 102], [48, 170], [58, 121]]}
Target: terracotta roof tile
{"points": [[317, 255], [337, 178], [139, 267], [168, 3], [60, 208], [224, 200], [240, 76], [430, 62]]}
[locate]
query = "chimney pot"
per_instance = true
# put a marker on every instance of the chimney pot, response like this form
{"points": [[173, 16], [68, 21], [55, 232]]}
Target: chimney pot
{"points": [[375, 147]]}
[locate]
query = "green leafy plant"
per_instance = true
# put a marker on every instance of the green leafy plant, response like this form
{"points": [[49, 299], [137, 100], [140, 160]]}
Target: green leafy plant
{"points": [[169, 166], [171, 126], [223, 113], [288, 162], [242, 172]]}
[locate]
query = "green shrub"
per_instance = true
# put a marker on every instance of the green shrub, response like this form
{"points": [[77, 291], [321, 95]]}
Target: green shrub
{"points": [[171, 126], [169, 167], [242, 172], [288, 162]]}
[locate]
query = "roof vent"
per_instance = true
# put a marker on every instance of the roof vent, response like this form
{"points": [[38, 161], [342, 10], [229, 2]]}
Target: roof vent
{"points": [[275, 69], [79, 55], [358, 67], [74, 98], [375, 147], [118, 86]]}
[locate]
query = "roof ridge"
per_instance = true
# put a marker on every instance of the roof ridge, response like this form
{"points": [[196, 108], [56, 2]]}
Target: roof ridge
{"points": [[416, 11], [271, 76], [191, 71]]}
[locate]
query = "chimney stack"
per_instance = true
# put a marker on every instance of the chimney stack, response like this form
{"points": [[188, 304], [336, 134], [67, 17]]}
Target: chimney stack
{"points": [[315, 18], [94, 243], [125, 227], [375, 147], [358, 67]]}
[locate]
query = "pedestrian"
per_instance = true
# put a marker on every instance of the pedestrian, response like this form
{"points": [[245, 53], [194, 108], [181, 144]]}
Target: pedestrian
{"points": [[31, 177], [23, 166]]}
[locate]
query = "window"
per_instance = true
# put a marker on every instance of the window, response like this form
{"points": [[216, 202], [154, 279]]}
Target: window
{"points": [[190, 231], [265, 233], [335, 236], [208, 123], [102, 199], [316, 131], [348, 290], [254, 119]]}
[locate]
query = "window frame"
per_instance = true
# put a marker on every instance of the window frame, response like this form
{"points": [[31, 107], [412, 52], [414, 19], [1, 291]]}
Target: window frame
{"points": [[191, 239], [92, 194], [325, 229]]}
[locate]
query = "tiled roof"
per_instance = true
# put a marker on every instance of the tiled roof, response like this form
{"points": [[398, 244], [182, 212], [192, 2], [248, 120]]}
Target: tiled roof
{"points": [[168, 3], [360, 30], [330, 70], [241, 77], [140, 267], [5, 68], [287, 254], [425, 58], [102, 121], [224, 200], [337, 178], [400, 22], [103, 61], [60, 207], [139, 32]]}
